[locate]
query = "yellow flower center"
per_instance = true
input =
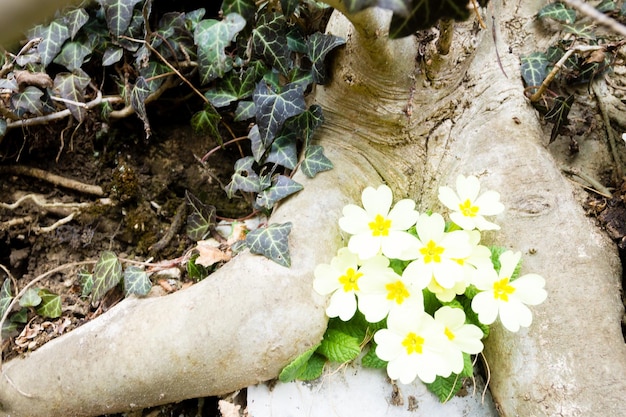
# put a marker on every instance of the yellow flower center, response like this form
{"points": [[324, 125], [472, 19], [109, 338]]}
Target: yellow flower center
{"points": [[449, 333], [432, 252], [467, 209], [397, 291], [502, 289], [459, 261], [380, 226], [350, 280], [413, 343]]}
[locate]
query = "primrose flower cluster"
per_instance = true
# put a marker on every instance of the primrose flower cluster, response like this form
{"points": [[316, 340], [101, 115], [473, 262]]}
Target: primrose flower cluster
{"points": [[444, 260]]}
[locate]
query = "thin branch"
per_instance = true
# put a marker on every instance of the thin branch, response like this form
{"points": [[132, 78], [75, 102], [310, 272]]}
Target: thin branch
{"points": [[596, 186], [597, 16], [53, 179]]}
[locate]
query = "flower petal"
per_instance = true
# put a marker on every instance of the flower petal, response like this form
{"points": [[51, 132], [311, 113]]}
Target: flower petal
{"points": [[342, 305], [489, 203], [403, 215], [448, 198], [377, 201], [486, 306], [364, 245], [355, 220], [326, 279], [508, 263], [529, 289], [515, 314], [467, 187], [400, 245]]}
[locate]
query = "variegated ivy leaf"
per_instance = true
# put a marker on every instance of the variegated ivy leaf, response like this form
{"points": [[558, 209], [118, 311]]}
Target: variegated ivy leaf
{"points": [[28, 101], [212, 38], [50, 306], [581, 30], [283, 151], [173, 28], [5, 296], [273, 109], [305, 124], [606, 6], [245, 110], [318, 46], [151, 73], [534, 68], [112, 55], [54, 36], [244, 178], [315, 161], [136, 281], [71, 86], [76, 19], [296, 41], [118, 14], [244, 8], [288, 7], [86, 281], [283, 187], [300, 77], [201, 220], [72, 55], [138, 96], [558, 114], [271, 242], [269, 41], [30, 298], [106, 274], [207, 120], [235, 86], [558, 12], [256, 144], [194, 17]]}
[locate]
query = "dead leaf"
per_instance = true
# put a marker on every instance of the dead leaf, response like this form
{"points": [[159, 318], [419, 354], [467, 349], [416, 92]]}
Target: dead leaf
{"points": [[228, 409], [38, 79], [210, 253]]}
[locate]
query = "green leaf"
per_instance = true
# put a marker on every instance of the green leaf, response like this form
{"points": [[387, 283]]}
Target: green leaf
{"points": [[269, 41], [76, 19], [28, 101], [339, 347], [245, 110], [3, 128], [72, 87], [423, 14], [136, 281], [288, 7], [212, 37], [305, 124], [558, 12], [30, 298], [356, 327], [5, 296], [207, 121], [296, 366], [371, 360], [319, 45], [118, 14], [534, 68], [315, 161], [256, 144], [202, 218], [581, 30], [273, 109], [558, 114], [606, 6], [106, 274], [244, 178], [314, 368], [138, 96], [245, 8], [234, 87], [446, 388], [152, 75], [112, 55], [284, 152], [50, 305], [271, 242], [86, 281], [196, 271], [54, 35], [283, 187]]}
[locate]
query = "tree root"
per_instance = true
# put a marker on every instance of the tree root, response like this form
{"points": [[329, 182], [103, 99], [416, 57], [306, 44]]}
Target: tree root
{"points": [[53, 179]]}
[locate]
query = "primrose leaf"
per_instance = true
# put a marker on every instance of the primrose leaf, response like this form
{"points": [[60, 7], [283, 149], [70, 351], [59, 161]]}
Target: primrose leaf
{"points": [[339, 347], [212, 37], [106, 274], [5, 296], [446, 388], [245, 8], [271, 242], [136, 281], [76, 19], [207, 120], [202, 218], [315, 161], [296, 366], [118, 14], [423, 14], [371, 360], [30, 298], [318, 46], [558, 12], [273, 109], [558, 114], [72, 87], [269, 41], [283, 187], [50, 306], [54, 35], [28, 101], [283, 151], [534, 68]]}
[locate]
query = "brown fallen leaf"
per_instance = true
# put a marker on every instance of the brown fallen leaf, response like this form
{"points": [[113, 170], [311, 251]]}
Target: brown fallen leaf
{"points": [[210, 253]]}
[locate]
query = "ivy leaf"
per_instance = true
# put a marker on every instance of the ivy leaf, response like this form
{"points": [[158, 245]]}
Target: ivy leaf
{"points": [[534, 68], [269, 41], [3, 128], [315, 161], [606, 6], [272, 109], [296, 41], [339, 347], [76, 19], [581, 30], [256, 144], [118, 14], [245, 110], [234, 87], [30, 298], [245, 8], [283, 151], [271, 242], [207, 120], [318, 46], [28, 101], [86, 281], [136, 281], [558, 12], [305, 124], [202, 218], [212, 37], [106, 274], [288, 7], [423, 14], [72, 55], [558, 114], [5, 296], [50, 306], [196, 271], [112, 55], [54, 35], [138, 96], [283, 187], [244, 178], [296, 366], [72, 87]]}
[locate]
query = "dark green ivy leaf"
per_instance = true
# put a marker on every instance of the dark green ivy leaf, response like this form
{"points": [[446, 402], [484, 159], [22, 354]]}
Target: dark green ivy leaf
{"points": [[271, 242], [245, 110], [72, 55], [201, 220], [5, 296], [339, 347], [288, 7], [558, 114], [50, 306], [86, 281], [28, 101], [244, 178], [606, 6], [75, 19], [318, 46], [207, 120], [269, 41], [136, 281], [534, 68], [54, 35], [118, 14], [581, 30], [245, 8], [273, 109], [315, 161], [296, 366], [138, 96], [284, 151], [72, 87], [112, 55], [106, 274], [283, 187], [235, 87], [423, 14], [558, 12], [305, 124]]}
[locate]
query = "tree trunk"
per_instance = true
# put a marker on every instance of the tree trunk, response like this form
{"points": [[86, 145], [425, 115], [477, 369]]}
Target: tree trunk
{"points": [[415, 127]]}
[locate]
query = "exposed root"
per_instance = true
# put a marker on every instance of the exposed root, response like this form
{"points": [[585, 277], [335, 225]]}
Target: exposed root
{"points": [[53, 179]]}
